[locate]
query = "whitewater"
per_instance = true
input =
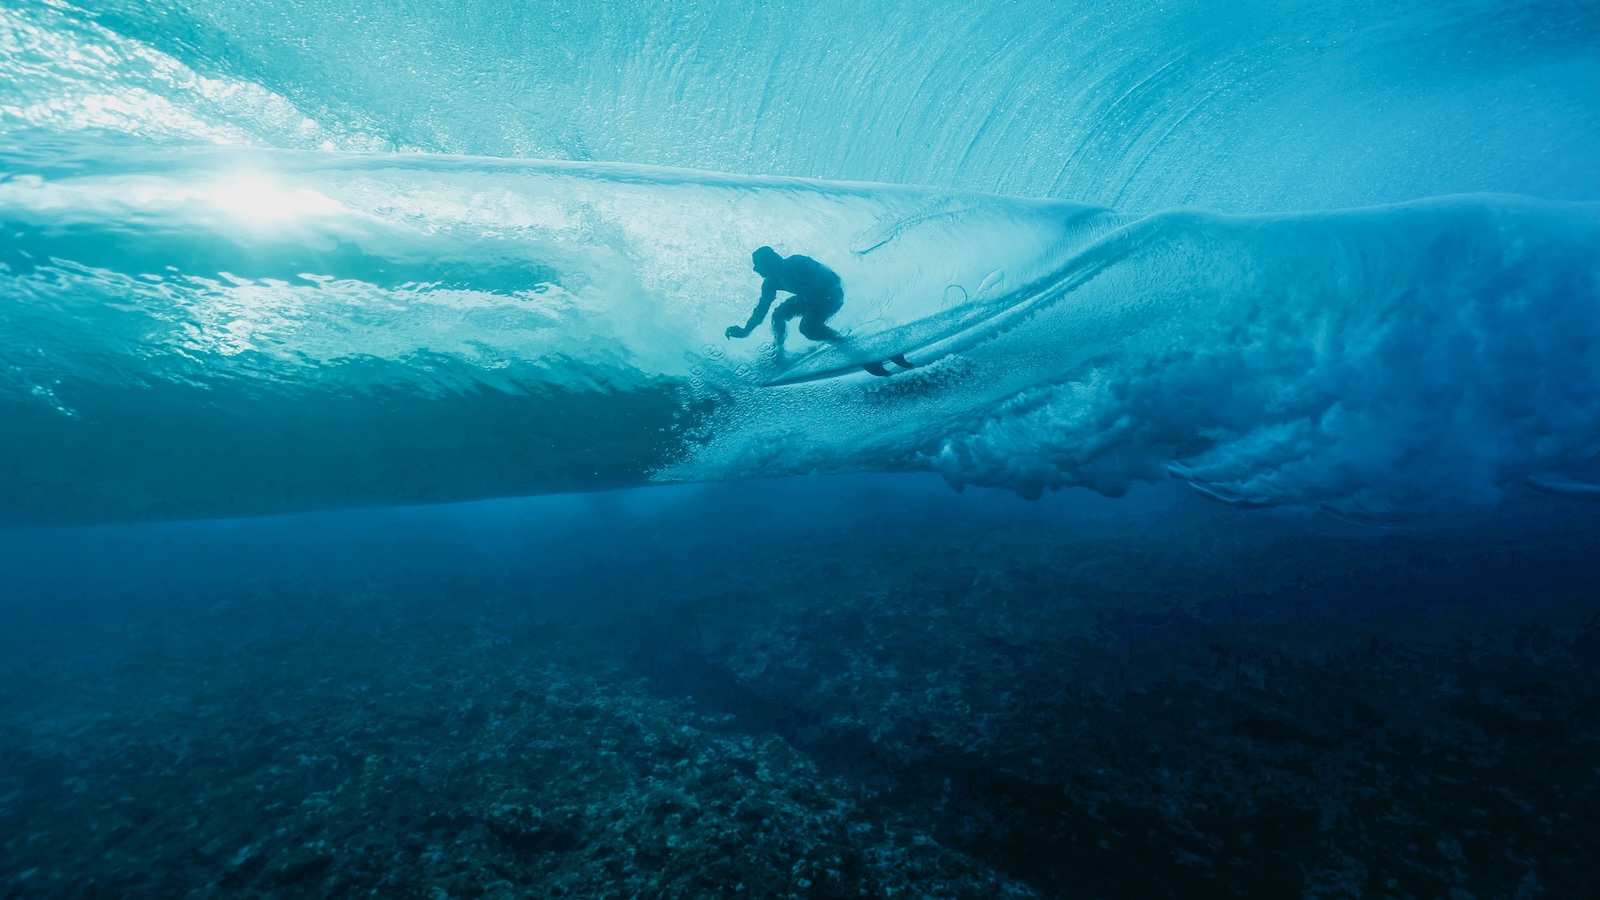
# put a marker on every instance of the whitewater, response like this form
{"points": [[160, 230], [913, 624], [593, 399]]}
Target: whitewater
{"points": [[212, 305]]}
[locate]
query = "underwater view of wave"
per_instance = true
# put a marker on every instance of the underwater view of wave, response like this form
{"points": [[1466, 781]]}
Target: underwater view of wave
{"points": [[400, 497]]}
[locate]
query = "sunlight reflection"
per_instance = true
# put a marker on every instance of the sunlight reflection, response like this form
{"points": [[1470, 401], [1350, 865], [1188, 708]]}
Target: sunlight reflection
{"points": [[258, 199]]}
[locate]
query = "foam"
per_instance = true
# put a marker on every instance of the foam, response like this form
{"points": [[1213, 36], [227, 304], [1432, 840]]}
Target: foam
{"points": [[1409, 361]]}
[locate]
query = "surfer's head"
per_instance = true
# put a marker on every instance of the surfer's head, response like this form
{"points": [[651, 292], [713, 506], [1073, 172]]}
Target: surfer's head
{"points": [[765, 261]]}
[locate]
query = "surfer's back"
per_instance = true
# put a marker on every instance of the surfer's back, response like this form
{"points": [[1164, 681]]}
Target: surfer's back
{"points": [[804, 275]]}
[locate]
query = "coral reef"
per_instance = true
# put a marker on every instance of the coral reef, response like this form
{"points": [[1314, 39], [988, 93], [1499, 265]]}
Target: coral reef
{"points": [[975, 707]]}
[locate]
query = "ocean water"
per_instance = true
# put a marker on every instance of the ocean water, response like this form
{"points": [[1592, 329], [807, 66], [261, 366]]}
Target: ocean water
{"points": [[384, 510]]}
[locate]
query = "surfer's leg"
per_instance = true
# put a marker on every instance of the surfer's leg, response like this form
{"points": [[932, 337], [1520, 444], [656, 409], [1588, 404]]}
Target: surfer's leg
{"points": [[813, 329], [788, 309], [899, 359], [818, 310]]}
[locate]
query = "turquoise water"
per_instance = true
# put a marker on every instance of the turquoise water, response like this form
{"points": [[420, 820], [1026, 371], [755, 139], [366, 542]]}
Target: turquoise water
{"points": [[378, 349]]}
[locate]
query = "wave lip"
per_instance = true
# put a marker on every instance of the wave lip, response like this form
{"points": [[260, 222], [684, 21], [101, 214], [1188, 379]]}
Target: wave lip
{"points": [[1268, 105]]}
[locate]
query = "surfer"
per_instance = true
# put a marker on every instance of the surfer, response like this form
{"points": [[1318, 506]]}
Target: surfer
{"points": [[817, 295]]}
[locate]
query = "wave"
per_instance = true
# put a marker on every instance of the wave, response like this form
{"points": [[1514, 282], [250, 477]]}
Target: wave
{"points": [[224, 331]]}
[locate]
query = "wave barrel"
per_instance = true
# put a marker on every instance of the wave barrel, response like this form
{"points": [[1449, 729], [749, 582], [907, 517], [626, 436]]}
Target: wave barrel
{"points": [[218, 332]]}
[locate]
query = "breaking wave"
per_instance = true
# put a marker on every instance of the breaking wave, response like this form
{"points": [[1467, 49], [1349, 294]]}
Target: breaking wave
{"points": [[217, 299], [204, 332]]}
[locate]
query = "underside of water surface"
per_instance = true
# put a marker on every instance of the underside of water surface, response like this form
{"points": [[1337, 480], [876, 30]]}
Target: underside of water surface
{"points": [[1199, 499]]}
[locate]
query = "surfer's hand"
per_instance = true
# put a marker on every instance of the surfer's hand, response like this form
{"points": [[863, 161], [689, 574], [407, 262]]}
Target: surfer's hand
{"points": [[735, 331]]}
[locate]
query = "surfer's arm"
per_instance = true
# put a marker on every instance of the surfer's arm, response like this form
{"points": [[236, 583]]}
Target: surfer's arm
{"points": [[769, 292]]}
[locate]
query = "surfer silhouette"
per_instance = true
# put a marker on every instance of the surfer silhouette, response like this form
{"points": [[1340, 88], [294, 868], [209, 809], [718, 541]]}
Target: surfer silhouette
{"points": [[817, 295]]}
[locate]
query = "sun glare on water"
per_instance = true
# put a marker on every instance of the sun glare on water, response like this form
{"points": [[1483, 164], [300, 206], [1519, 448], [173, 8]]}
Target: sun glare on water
{"points": [[257, 199]]}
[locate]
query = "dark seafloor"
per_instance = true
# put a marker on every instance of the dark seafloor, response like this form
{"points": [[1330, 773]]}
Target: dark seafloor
{"points": [[846, 687]]}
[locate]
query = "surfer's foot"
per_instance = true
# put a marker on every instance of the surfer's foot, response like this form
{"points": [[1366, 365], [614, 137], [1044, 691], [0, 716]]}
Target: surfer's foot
{"points": [[899, 359], [876, 368]]}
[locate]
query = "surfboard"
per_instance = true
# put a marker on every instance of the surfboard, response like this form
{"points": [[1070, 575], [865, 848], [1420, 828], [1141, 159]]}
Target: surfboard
{"points": [[954, 330]]}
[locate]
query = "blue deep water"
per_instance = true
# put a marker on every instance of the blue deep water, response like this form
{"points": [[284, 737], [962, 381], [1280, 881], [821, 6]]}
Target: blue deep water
{"points": [[1201, 497]]}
